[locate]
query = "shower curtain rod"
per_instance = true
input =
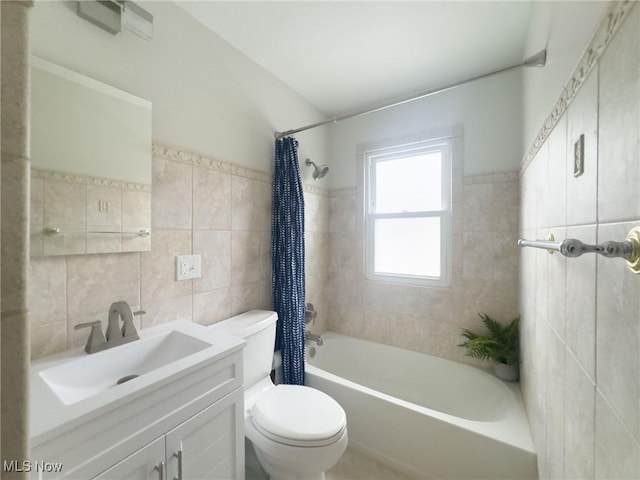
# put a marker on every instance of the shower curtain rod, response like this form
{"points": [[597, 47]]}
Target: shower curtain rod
{"points": [[537, 60]]}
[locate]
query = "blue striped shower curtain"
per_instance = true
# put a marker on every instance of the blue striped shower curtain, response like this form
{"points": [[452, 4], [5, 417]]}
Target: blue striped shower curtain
{"points": [[287, 259]]}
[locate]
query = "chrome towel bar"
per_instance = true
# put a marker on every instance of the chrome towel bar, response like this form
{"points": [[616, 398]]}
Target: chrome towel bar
{"points": [[629, 249], [53, 231]]}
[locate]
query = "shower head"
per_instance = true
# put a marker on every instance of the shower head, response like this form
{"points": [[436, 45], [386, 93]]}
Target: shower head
{"points": [[318, 171]]}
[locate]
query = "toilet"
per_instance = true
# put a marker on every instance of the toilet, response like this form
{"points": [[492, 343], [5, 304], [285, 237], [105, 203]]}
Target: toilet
{"points": [[297, 432]]}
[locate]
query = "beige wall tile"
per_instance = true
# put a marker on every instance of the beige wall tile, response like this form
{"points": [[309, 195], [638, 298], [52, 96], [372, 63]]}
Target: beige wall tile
{"points": [[47, 291], [171, 202], [104, 208], [555, 283], [617, 452], [556, 183], [47, 339], [342, 213], [250, 204], [618, 332], [215, 248], [580, 323], [316, 211], [136, 210], [619, 126], [583, 120], [65, 204], [477, 207], [539, 178], [505, 207], [579, 420], [169, 309], [212, 306], [554, 405], [158, 277], [245, 258], [249, 296], [69, 242], [103, 243], [478, 256], [96, 281], [211, 199], [135, 243]]}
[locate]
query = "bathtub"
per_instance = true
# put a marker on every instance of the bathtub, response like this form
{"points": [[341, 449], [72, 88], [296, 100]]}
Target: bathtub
{"points": [[423, 415]]}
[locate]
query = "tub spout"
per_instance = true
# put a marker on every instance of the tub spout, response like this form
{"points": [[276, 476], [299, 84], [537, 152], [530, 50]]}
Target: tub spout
{"points": [[313, 338]]}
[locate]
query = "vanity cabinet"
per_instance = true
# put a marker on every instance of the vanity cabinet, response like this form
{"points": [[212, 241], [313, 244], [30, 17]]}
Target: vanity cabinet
{"points": [[203, 447], [198, 413], [142, 465]]}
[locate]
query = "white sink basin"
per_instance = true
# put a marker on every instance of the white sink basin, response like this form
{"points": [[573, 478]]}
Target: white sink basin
{"points": [[89, 375]]}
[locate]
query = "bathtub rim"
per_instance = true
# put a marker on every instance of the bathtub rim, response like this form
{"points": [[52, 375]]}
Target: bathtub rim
{"points": [[515, 415]]}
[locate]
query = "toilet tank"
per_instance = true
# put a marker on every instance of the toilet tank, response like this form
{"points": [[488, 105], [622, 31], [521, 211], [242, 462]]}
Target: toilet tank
{"points": [[258, 328]]}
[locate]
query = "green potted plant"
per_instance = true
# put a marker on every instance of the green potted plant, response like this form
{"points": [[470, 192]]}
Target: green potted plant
{"points": [[501, 344]]}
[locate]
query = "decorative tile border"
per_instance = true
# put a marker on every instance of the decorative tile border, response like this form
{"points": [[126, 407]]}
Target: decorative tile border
{"points": [[343, 192], [87, 180], [323, 192], [618, 11], [195, 159], [491, 178]]}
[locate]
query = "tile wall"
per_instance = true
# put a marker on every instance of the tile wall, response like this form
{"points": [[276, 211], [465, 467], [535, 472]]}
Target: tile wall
{"points": [[581, 320], [428, 320], [200, 206], [80, 206], [316, 219]]}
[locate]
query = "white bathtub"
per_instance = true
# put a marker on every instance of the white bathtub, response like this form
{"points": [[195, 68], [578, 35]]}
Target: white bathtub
{"points": [[426, 416]]}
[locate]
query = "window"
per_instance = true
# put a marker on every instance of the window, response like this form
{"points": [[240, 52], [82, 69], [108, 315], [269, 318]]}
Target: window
{"points": [[407, 210]]}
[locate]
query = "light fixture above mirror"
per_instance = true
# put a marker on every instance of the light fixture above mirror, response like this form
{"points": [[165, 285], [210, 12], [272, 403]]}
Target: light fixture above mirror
{"points": [[116, 15]]}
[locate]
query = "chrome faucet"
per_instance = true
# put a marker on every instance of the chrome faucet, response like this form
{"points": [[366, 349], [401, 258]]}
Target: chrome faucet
{"points": [[116, 335], [313, 338]]}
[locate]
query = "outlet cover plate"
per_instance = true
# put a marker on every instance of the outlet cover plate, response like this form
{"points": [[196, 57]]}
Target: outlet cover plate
{"points": [[188, 267], [578, 156]]}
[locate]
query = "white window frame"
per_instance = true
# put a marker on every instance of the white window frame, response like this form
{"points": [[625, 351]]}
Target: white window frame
{"points": [[443, 145]]}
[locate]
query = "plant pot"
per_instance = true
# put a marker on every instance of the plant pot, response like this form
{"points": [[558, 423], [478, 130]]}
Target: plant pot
{"points": [[510, 373]]}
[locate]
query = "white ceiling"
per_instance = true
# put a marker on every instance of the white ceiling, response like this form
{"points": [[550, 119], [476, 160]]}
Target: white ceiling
{"points": [[344, 56]]}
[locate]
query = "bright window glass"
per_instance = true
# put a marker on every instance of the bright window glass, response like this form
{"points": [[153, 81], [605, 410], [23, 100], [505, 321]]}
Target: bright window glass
{"points": [[409, 184], [407, 213], [407, 246]]}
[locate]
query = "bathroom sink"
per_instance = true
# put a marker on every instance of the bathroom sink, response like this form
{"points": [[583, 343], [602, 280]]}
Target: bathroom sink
{"points": [[90, 375]]}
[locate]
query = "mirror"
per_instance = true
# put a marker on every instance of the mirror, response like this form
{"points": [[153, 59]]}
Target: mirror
{"points": [[90, 165]]}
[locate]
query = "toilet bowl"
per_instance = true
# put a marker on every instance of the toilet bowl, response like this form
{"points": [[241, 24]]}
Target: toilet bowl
{"points": [[297, 432]]}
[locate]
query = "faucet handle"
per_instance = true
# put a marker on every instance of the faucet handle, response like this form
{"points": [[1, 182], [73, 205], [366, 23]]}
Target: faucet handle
{"points": [[96, 339], [129, 328]]}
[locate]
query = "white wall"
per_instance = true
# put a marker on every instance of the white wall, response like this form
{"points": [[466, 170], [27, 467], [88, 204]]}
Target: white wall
{"points": [[490, 110], [564, 29], [206, 96]]}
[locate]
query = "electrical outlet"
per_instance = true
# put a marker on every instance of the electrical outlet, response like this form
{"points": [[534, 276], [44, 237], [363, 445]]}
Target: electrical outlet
{"points": [[188, 267], [578, 157]]}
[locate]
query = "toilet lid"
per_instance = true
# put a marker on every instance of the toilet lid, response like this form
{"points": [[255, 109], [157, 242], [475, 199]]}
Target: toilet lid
{"points": [[296, 414]]}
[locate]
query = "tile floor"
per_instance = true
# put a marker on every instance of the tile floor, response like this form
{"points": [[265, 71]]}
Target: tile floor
{"points": [[352, 466], [357, 466]]}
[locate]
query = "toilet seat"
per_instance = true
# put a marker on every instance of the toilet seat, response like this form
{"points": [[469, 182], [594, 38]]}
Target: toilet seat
{"points": [[299, 416]]}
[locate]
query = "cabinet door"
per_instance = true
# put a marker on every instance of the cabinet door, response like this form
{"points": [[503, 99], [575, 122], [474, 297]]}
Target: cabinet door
{"points": [[209, 445], [145, 464]]}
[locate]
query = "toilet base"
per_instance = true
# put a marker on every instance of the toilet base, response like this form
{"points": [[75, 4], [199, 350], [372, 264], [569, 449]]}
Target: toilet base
{"points": [[276, 473]]}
